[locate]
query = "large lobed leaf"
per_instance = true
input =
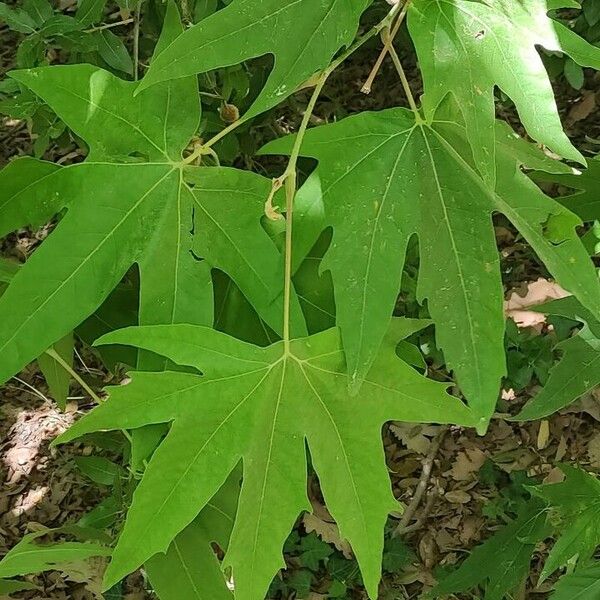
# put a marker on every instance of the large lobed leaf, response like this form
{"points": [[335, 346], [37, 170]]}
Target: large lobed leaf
{"points": [[149, 222], [582, 584], [262, 406], [584, 201], [29, 556], [386, 177], [190, 568], [467, 47], [303, 35]]}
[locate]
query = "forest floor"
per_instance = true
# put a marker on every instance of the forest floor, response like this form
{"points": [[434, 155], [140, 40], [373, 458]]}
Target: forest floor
{"points": [[39, 485]]}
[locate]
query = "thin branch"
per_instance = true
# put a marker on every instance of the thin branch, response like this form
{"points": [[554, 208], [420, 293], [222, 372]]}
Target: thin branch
{"points": [[405, 84], [289, 177], [69, 369], [387, 43], [423, 482], [109, 25], [431, 497], [136, 40], [185, 11], [384, 23], [31, 388]]}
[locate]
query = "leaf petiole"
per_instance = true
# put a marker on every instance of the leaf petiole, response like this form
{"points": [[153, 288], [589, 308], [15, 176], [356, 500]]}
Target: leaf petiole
{"points": [[403, 79], [366, 88], [69, 369]]}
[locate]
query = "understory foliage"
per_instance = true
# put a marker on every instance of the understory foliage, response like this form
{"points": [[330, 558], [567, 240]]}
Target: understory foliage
{"points": [[258, 318]]}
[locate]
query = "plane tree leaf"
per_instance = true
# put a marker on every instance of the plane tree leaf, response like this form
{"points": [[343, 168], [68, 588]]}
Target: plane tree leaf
{"points": [[189, 569], [577, 371], [136, 144], [466, 48], [16, 209], [385, 178], [577, 501], [262, 405], [319, 29]]}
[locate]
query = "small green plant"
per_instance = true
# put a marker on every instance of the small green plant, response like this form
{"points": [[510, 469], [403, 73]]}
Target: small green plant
{"points": [[257, 314]]}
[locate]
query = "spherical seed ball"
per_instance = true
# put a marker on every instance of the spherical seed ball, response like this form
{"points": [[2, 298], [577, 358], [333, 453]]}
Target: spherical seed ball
{"points": [[229, 113]]}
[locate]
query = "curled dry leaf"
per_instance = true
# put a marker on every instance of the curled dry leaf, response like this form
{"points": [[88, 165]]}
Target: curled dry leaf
{"points": [[583, 108], [414, 437], [457, 497], [593, 451], [590, 404], [538, 292], [328, 531], [467, 464]]}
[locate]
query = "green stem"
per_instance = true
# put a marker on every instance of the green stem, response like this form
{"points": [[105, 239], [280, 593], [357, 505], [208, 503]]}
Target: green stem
{"points": [[108, 26], [219, 136], [290, 178], [366, 88], [334, 65], [69, 369], [405, 84], [136, 40]]}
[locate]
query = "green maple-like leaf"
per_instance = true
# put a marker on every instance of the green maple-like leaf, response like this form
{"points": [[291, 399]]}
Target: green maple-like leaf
{"points": [[149, 220], [302, 34], [466, 48], [17, 178], [262, 405], [502, 561], [582, 584], [577, 500], [578, 370], [385, 178]]}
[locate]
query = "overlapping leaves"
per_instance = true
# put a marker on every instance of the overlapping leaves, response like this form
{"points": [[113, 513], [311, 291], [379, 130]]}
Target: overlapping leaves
{"points": [[384, 177], [372, 168], [135, 147], [303, 35], [577, 502], [190, 568], [502, 561], [262, 405]]}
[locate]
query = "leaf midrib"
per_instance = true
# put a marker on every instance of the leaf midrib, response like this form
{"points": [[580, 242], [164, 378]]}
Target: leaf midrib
{"points": [[471, 337], [150, 521]]}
